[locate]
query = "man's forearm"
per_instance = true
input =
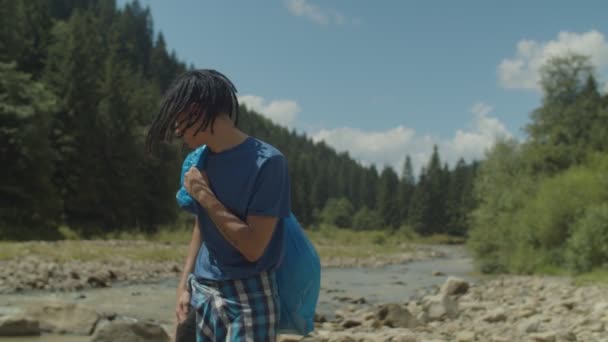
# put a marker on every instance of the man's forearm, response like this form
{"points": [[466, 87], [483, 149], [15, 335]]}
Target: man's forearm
{"points": [[195, 245], [234, 230]]}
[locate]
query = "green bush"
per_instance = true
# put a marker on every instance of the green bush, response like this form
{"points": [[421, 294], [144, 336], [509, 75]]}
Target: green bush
{"points": [[587, 248], [338, 212], [524, 227], [367, 219], [502, 186]]}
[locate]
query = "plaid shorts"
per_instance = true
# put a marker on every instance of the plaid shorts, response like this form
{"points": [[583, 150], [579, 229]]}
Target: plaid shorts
{"points": [[236, 310]]}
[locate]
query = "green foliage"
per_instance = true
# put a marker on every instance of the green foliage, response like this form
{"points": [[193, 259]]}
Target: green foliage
{"points": [[406, 188], [533, 227], [568, 124], [367, 219], [456, 212], [503, 183], [542, 204], [29, 201], [562, 200], [338, 212], [379, 239], [440, 202], [388, 200], [587, 248]]}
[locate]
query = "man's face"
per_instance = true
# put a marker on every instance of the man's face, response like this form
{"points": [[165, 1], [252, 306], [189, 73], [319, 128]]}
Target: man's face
{"points": [[188, 134]]}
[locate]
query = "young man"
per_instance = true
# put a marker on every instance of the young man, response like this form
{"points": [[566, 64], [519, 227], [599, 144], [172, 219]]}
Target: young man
{"points": [[237, 240]]}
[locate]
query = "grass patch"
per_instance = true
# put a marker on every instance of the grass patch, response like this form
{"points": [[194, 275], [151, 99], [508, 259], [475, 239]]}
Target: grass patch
{"points": [[94, 250], [440, 239], [596, 277], [332, 242], [552, 270], [170, 244], [164, 234]]}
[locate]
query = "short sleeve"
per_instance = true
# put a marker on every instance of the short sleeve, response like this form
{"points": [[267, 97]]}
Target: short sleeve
{"points": [[271, 191]]}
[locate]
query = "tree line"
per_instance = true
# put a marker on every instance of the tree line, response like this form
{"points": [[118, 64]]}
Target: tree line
{"points": [[543, 203], [80, 81]]}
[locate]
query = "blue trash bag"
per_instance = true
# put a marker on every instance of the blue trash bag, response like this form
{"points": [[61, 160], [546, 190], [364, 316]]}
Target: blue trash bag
{"points": [[184, 200], [298, 274], [298, 280]]}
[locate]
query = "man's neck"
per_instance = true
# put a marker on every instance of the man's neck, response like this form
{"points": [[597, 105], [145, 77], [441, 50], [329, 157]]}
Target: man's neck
{"points": [[225, 136]]}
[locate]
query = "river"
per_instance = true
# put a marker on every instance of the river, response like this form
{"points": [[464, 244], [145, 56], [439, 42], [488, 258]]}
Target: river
{"points": [[156, 301]]}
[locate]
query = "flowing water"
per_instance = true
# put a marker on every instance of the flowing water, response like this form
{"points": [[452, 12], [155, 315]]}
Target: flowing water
{"points": [[156, 301]]}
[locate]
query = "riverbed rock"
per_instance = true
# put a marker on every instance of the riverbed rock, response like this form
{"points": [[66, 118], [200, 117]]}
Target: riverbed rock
{"points": [[128, 331], [495, 315], [440, 307], [396, 316], [351, 323], [544, 337], [465, 336], [19, 326], [454, 286], [63, 318], [530, 325]]}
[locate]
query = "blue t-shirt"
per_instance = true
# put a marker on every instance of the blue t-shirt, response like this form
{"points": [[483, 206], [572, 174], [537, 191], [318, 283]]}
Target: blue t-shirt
{"points": [[249, 179]]}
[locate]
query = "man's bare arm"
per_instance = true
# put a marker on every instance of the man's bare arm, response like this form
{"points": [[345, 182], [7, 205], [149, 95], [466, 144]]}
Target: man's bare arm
{"points": [[195, 245], [251, 238]]}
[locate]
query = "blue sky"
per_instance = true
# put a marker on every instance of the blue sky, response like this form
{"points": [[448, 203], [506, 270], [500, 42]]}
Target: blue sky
{"points": [[383, 79]]}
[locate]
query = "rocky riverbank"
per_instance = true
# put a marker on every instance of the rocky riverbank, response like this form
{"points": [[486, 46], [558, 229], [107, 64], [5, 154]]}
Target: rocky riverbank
{"points": [[510, 308], [505, 309], [36, 273]]}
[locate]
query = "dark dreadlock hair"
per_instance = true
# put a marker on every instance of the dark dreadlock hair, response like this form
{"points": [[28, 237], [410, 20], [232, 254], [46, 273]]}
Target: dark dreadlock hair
{"points": [[196, 93]]}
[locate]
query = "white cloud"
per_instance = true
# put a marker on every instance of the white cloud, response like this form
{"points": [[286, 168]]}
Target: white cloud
{"points": [[480, 108], [303, 8], [391, 146], [485, 131], [378, 147], [282, 112], [522, 70]]}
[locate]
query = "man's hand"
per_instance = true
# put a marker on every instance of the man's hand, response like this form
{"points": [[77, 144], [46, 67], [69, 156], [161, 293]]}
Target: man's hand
{"points": [[197, 185], [183, 303]]}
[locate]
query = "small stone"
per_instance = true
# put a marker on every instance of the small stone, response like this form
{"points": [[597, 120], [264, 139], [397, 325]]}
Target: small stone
{"points": [[454, 286], [289, 338], [597, 327], [496, 315], [342, 298], [396, 316], [525, 313], [465, 336], [543, 337], [320, 318], [500, 339], [350, 323], [567, 336], [359, 300], [530, 325]]}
